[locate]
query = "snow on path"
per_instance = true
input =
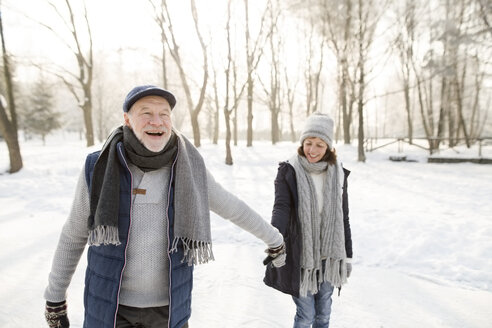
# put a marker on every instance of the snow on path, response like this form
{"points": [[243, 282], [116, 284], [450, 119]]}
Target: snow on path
{"points": [[230, 293], [422, 241]]}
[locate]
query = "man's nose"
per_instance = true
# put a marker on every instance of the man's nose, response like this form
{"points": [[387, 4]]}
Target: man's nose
{"points": [[156, 120]]}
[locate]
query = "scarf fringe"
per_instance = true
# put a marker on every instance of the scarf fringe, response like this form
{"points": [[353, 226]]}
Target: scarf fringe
{"points": [[104, 235], [335, 273], [195, 251], [309, 282]]}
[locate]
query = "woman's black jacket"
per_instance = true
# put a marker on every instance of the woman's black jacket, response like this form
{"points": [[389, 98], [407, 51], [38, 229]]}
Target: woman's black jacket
{"points": [[284, 217]]}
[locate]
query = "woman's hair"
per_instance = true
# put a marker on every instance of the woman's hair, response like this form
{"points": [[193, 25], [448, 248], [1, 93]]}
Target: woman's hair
{"points": [[330, 155]]}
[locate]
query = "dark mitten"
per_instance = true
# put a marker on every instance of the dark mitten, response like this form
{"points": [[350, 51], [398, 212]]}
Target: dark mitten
{"points": [[56, 315]]}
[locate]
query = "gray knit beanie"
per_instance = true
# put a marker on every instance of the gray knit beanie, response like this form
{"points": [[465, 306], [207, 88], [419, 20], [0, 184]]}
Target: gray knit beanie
{"points": [[319, 125]]}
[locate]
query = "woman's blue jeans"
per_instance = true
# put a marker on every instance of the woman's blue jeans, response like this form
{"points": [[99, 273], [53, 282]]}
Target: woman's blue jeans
{"points": [[315, 309]]}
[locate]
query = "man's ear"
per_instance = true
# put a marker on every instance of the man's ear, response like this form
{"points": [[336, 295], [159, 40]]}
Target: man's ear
{"points": [[126, 118]]}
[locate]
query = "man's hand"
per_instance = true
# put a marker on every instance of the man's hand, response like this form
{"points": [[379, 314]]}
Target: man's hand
{"points": [[349, 269], [56, 315], [276, 255]]}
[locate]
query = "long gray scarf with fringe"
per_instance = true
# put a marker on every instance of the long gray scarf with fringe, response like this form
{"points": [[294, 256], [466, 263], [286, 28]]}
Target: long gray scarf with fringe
{"points": [[323, 235], [191, 210]]}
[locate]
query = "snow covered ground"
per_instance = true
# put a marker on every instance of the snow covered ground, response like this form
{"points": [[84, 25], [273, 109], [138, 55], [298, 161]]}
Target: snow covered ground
{"points": [[422, 237]]}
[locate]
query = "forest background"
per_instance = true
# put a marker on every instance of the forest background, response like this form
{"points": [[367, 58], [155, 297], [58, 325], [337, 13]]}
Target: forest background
{"points": [[251, 69]]}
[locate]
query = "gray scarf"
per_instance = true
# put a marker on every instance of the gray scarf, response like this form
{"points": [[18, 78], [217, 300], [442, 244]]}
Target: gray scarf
{"points": [[191, 211], [323, 238]]}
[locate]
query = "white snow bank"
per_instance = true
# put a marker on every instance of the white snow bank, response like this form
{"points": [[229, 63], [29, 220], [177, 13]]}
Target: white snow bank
{"points": [[422, 237]]}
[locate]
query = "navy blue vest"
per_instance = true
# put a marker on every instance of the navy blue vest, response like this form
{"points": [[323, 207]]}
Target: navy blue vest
{"points": [[105, 263]]}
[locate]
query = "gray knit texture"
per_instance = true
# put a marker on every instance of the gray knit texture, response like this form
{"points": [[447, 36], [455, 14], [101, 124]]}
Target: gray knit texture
{"points": [[135, 291], [318, 125], [192, 213], [322, 232], [148, 265]]}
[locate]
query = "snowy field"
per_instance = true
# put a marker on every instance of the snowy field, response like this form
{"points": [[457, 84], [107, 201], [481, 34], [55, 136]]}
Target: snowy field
{"points": [[422, 237]]}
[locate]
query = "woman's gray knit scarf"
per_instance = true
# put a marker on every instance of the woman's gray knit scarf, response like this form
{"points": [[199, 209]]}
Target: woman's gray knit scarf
{"points": [[191, 210], [323, 235]]}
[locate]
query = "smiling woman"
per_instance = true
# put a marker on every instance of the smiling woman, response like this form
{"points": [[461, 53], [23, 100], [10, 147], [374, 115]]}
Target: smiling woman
{"points": [[311, 205], [314, 149]]}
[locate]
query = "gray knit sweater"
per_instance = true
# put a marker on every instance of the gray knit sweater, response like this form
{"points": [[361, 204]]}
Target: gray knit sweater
{"points": [[147, 266]]}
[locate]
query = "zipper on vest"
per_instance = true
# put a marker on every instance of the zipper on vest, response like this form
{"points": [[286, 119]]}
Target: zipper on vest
{"points": [[127, 238], [169, 241]]}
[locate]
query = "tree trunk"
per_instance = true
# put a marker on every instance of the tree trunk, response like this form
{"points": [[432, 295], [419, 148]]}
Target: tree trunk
{"points": [[409, 113], [274, 127], [8, 128], [89, 130], [443, 108], [169, 39], [11, 138], [216, 109], [216, 123], [235, 127], [361, 154], [227, 112], [228, 159], [14, 153], [196, 128], [347, 120], [291, 125], [164, 61], [474, 122], [249, 66], [451, 121], [360, 103], [216, 127], [249, 141]]}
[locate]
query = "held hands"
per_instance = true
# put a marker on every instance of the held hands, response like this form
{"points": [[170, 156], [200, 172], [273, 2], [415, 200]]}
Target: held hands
{"points": [[56, 315], [276, 256]]}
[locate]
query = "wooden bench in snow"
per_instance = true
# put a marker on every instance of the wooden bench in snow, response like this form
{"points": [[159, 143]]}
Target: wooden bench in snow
{"points": [[477, 160], [398, 158], [401, 158]]}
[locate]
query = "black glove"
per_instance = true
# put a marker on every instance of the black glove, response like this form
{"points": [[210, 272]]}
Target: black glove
{"points": [[276, 255], [56, 315]]}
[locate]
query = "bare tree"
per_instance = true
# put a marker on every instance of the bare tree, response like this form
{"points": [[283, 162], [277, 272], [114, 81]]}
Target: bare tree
{"points": [[485, 13], [273, 91], [459, 70], [8, 115], [405, 44], [290, 92], [234, 87], [476, 115], [79, 84], [168, 37], [339, 31], [313, 69], [254, 53], [455, 66], [227, 109], [425, 74], [368, 15], [216, 108]]}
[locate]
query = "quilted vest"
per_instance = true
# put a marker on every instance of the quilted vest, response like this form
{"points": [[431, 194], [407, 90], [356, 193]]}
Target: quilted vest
{"points": [[105, 263]]}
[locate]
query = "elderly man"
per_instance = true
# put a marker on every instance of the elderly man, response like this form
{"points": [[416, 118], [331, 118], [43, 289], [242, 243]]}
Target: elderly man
{"points": [[143, 205]]}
